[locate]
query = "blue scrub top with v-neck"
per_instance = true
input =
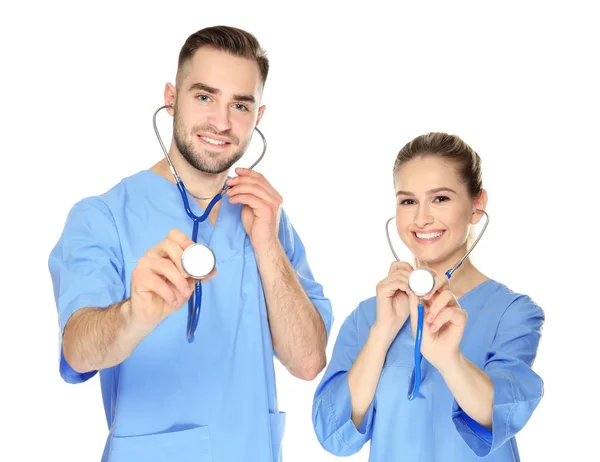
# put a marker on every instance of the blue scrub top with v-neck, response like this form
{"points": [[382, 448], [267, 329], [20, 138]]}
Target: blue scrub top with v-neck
{"points": [[214, 399], [501, 338]]}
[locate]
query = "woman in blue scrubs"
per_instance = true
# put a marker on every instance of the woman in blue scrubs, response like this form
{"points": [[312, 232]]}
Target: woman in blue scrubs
{"points": [[480, 338]]}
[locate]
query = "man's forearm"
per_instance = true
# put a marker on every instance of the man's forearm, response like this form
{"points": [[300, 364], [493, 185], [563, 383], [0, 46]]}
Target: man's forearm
{"points": [[99, 338], [297, 329]]}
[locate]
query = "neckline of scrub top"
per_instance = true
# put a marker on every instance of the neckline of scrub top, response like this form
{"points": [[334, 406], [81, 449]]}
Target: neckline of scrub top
{"points": [[475, 290], [224, 217]]}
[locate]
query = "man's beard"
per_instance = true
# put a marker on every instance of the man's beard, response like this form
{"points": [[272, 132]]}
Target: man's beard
{"points": [[206, 161]]}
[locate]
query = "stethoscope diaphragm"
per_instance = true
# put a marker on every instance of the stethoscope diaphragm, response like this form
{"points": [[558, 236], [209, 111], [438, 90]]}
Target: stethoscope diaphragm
{"points": [[198, 261]]}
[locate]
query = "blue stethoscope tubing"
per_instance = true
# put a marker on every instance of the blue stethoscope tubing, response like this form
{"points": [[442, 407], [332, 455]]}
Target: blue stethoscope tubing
{"points": [[418, 356], [416, 383], [195, 301]]}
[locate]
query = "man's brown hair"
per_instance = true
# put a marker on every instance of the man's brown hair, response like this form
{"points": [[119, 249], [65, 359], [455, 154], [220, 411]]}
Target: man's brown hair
{"points": [[236, 41]]}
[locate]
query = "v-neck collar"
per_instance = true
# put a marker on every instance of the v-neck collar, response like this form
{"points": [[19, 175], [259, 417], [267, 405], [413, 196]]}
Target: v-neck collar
{"points": [[206, 228], [478, 288]]}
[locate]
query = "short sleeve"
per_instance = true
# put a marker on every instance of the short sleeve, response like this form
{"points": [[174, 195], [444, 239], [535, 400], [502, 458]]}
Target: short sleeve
{"points": [[86, 268], [296, 252], [332, 408], [517, 388]]}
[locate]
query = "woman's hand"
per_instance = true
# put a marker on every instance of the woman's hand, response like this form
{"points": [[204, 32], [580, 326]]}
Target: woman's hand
{"points": [[443, 325], [392, 301]]}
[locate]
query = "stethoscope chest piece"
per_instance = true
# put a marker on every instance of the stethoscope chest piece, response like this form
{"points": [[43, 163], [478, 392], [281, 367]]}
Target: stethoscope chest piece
{"points": [[421, 282], [198, 261]]}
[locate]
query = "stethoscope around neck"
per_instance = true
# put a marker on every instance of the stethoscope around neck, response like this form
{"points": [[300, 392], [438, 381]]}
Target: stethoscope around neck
{"points": [[197, 260], [421, 282]]}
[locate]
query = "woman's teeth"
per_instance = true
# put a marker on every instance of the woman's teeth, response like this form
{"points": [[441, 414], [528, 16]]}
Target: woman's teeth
{"points": [[427, 236]]}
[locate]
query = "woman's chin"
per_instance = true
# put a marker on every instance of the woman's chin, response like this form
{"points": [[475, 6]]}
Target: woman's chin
{"points": [[429, 260]]}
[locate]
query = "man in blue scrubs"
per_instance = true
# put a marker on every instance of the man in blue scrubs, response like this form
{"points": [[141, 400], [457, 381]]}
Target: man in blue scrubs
{"points": [[122, 293]]}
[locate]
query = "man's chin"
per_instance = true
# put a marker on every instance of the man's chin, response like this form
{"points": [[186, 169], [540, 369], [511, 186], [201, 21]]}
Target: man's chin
{"points": [[215, 168], [209, 162]]}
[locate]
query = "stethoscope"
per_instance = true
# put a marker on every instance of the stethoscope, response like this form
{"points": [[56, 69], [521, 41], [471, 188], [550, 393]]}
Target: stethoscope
{"points": [[197, 260], [421, 282]]}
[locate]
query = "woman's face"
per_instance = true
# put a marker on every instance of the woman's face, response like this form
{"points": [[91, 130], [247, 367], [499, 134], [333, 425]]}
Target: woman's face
{"points": [[434, 209]]}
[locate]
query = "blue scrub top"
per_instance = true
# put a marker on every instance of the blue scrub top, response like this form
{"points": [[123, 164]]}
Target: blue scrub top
{"points": [[214, 399], [501, 337]]}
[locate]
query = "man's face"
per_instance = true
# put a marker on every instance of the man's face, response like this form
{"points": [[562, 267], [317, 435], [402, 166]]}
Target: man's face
{"points": [[216, 109]]}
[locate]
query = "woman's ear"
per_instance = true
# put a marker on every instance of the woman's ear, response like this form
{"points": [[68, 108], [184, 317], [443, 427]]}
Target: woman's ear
{"points": [[480, 203]]}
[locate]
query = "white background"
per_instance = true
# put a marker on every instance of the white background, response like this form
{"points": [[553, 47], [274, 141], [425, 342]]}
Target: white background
{"points": [[348, 87]]}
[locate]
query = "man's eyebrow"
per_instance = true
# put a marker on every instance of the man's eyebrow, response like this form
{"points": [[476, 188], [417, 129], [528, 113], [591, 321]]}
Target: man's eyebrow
{"points": [[206, 88], [216, 91], [245, 98]]}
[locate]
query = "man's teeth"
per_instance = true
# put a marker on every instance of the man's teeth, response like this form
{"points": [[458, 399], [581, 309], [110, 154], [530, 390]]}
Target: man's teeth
{"points": [[429, 235], [211, 141]]}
